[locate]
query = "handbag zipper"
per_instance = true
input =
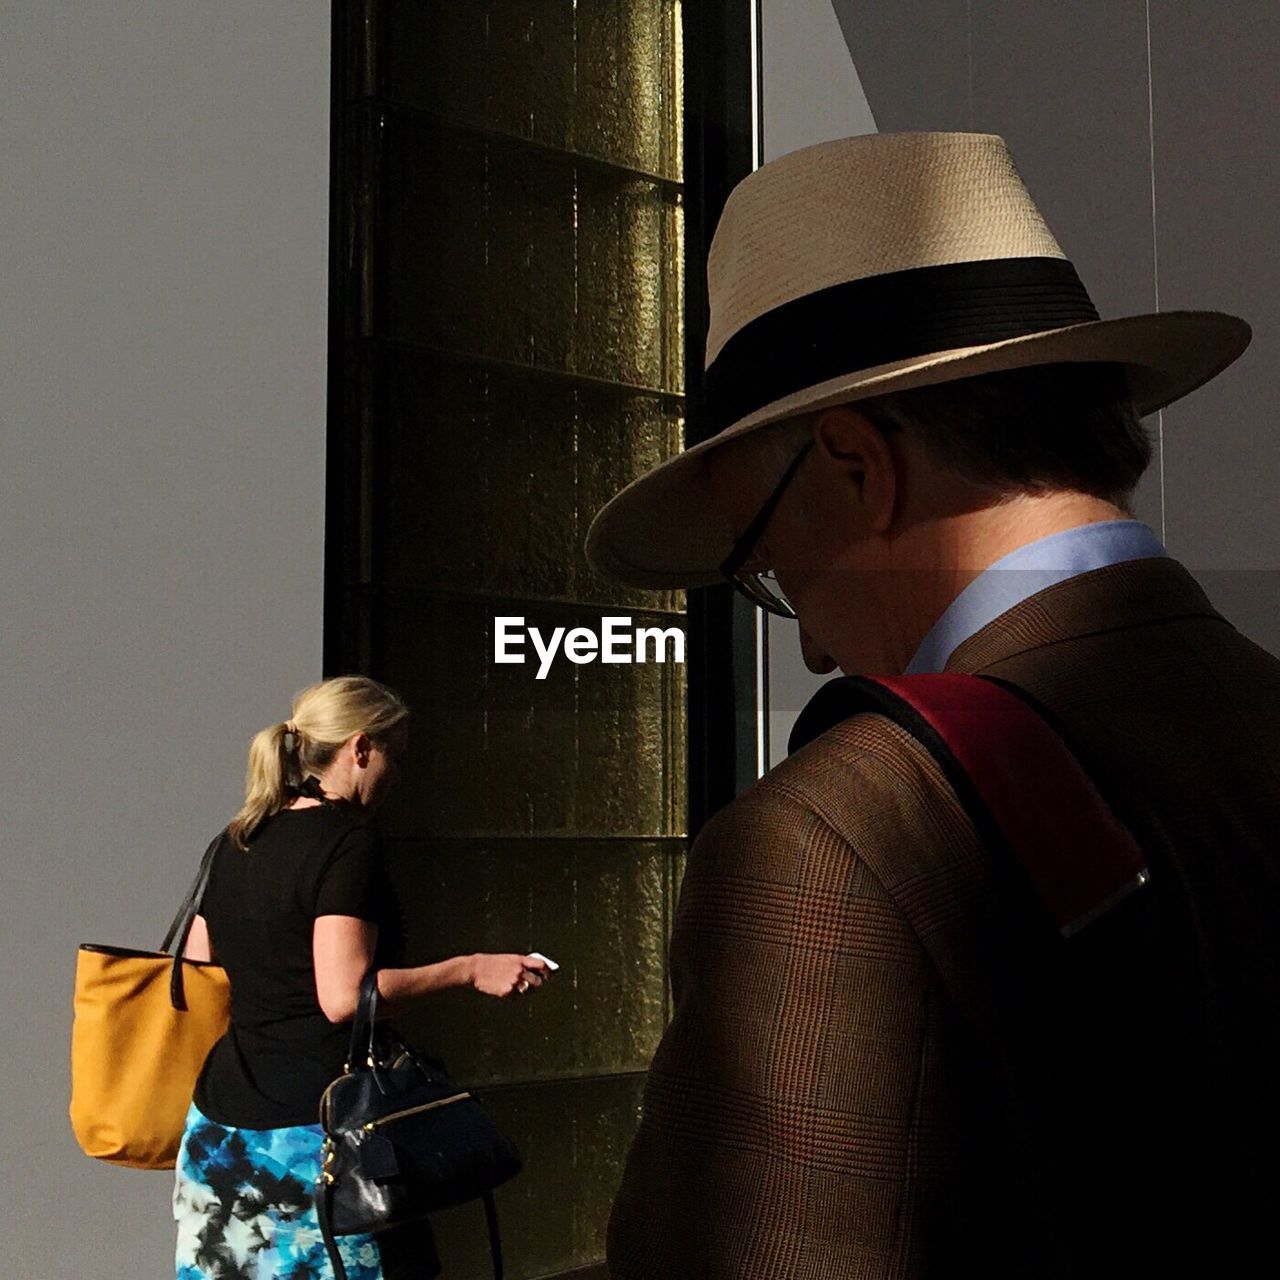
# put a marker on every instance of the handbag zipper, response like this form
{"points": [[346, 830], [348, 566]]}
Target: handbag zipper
{"points": [[411, 1111], [324, 1100]]}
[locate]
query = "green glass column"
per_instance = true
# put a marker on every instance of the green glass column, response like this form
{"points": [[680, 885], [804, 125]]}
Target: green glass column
{"points": [[507, 351]]}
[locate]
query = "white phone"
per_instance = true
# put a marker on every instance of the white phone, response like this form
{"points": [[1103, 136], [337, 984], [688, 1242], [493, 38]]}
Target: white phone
{"points": [[537, 955]]}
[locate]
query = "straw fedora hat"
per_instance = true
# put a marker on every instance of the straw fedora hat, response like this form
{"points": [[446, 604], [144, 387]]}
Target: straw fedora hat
{"points": [[875, 264]]}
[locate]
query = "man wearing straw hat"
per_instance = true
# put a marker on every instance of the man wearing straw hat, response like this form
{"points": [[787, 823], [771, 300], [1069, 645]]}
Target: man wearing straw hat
{"points": [[926, 443]]}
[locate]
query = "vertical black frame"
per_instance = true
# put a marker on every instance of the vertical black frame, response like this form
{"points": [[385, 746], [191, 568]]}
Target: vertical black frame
{"points": [[718, 153]]}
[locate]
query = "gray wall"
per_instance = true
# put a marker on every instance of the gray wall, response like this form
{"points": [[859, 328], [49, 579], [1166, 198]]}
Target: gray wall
{"points": [[162, 402], [1146, 134], [810, 90]]}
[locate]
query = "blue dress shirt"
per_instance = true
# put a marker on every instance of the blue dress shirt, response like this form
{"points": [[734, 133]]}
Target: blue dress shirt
{"points": [[1026, 570]]}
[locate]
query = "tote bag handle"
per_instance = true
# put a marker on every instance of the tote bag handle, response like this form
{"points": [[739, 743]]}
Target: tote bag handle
{"points": [[179, 930]]}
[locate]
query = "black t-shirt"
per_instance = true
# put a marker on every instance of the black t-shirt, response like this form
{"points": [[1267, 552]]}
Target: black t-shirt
{"points": [[280, 1051]]}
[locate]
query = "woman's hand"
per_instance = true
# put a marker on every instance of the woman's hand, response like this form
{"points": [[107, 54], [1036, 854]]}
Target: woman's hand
{"points": [[505, 975]]}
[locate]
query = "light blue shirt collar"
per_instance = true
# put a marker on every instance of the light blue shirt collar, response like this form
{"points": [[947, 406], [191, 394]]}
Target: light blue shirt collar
{"points": [[1026, 570]]}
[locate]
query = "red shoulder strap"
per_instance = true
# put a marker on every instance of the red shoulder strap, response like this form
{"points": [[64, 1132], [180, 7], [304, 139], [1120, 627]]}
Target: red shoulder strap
{"points": [[1015, 777]]}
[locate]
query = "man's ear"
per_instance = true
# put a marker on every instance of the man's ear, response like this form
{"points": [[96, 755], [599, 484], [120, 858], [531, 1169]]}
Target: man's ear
{"points": [[850, 443]]}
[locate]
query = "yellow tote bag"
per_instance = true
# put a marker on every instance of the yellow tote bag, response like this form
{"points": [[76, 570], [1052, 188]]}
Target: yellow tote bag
{"points": [[144, 1022]]}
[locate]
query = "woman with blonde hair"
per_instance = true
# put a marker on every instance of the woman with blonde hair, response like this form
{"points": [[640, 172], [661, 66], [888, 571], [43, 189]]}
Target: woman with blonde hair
{"points": [[297, 908]]}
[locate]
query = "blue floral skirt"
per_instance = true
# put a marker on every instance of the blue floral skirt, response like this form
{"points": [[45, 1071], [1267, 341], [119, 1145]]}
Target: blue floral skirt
{"points": [[245, 1209]]}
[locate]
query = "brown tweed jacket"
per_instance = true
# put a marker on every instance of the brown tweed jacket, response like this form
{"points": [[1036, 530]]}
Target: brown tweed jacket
{"points": [[868, 1074]]}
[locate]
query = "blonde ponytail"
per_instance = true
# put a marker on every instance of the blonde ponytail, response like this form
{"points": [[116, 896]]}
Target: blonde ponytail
{"points": [[272, 767], [325, 715]]}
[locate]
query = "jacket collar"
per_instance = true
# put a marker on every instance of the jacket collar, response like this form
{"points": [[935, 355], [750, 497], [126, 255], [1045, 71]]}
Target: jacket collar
{"points": [[1129, 594]]}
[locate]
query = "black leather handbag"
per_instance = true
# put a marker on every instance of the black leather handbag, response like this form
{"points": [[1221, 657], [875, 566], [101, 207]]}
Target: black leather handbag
{"points": [[402, 1140]]}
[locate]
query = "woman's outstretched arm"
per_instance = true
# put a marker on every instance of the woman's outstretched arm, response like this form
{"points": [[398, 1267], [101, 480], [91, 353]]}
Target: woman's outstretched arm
{"points": [[343, 949]]}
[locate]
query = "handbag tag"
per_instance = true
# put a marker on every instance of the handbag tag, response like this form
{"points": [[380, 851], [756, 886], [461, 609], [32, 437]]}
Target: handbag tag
{"points": [[378, 1160]]}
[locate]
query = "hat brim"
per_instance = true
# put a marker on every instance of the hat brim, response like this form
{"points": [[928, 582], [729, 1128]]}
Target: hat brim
{"points": [[662, 531]]}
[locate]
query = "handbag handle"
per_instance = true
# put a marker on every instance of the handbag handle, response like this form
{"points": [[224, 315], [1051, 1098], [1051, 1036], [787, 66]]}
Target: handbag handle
{"points": [[180, 929], [362, 1025]]}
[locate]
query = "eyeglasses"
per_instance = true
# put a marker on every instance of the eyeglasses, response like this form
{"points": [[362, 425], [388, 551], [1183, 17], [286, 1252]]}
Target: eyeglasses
{"points": [[759, 585]]}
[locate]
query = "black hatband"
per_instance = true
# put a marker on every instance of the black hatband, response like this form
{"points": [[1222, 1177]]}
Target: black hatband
{"points": [[865, 323]]}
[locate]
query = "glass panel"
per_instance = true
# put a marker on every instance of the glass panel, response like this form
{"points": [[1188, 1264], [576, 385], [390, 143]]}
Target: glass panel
{"points": [[598, 908], [493, 249], [465, 446], [504, 753], [591, 76], [629, 82]]}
